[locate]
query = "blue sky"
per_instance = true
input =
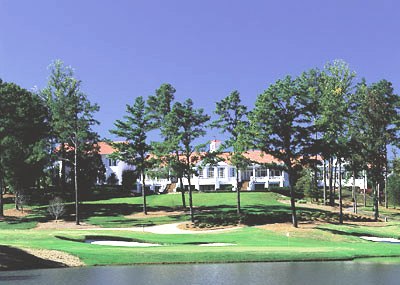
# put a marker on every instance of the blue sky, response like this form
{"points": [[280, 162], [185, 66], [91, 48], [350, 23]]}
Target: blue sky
{"points": [[205, 49]]}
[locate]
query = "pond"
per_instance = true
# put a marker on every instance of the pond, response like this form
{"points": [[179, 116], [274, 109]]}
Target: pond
{"points": [[235, 273]]}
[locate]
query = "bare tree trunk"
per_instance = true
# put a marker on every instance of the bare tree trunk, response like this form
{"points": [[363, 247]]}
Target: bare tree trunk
{"points": [[76, 184], [340, 194], [324, 181], [144, 193]]}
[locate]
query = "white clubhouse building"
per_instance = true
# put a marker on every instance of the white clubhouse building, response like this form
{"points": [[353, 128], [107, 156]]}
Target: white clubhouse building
{"points": [[222, 176]]}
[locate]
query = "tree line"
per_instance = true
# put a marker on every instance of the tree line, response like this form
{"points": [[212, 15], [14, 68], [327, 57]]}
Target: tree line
{"points": [[319, 119], [46, 137]]}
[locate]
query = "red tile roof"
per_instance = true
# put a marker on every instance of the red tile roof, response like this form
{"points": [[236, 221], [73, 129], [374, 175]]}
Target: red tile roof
{"points": [[105, 148], [254, 155], [261, 157]]}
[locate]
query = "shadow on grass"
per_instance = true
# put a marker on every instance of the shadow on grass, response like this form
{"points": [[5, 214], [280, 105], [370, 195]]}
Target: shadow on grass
{"points": [[16, 259]]}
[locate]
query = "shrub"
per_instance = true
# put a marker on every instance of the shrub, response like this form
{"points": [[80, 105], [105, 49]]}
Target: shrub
{"points": [[112, 179], [56, 208], [129, 178]]}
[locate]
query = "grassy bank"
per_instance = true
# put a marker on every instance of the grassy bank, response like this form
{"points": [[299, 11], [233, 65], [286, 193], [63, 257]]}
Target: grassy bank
{"points": [[325, 241], [251, 244]]}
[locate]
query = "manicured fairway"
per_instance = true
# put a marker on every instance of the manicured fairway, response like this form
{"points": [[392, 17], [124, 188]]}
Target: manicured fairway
{"points": [[270, 243]]}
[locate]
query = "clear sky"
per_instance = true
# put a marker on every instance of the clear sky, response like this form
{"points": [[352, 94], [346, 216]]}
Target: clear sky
{"points": [[205, 49]]}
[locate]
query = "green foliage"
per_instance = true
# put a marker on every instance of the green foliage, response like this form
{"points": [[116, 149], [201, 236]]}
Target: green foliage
{"points": [[280, 125], [188, 124], [129, 178], [112, 179], [379, 119], [134, 129], [306, 184], [23, 129], [71, 122], [135, 149], [232, 120], [393, 189]]}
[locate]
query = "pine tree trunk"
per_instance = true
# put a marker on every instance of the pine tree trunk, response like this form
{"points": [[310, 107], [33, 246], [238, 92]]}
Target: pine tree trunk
{"points": [[365, 188], [354, 194], [63, 171], [386, 193], [238, 191], [76, 184], [376, 202], [144, 193], [1, 198], [182, 192], [330, 169], [340, 195], [16, 197], [335, 177], [324, 181], [181, 183], [190, 200], [292, 201]]}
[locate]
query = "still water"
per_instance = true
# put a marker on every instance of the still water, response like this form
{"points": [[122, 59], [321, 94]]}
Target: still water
{"points": [[236, 273]]}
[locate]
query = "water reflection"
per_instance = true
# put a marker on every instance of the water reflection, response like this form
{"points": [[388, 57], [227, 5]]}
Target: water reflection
{"points": [[237, 273]]}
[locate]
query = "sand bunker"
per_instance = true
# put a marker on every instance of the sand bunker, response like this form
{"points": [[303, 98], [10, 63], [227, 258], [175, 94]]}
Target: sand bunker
{"points": [[121, 243], [379, 239]]}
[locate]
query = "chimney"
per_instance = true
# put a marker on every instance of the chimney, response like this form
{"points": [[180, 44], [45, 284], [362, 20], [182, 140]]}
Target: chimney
{"points": [[214, 145]]}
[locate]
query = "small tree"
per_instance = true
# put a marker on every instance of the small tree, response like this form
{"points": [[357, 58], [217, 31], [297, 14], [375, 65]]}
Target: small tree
{"points": [[306, 184], [56, 208], [190, 124], [135, 149], [112, 179], [232, 121], [280, 125], [393, 190], [21, 199], [129, 178], [71, 120]]}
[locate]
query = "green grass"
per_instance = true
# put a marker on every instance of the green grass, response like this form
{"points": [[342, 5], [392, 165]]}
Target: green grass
{"points": [[252, 244], [327, 242]]}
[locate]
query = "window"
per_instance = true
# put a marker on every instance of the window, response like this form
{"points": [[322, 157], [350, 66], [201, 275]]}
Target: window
{"points": [[112, 162], [275, 172], [246, 174], [232, 172], [261, 172], [221, 172], [210, 172], [200, 171]]}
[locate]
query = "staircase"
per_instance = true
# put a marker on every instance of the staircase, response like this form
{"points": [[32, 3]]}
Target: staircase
{"points": [[245, 185], [171, 187]]}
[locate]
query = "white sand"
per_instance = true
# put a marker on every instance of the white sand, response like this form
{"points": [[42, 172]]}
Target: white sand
{"points": [[123, 243], [379, 239]]}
